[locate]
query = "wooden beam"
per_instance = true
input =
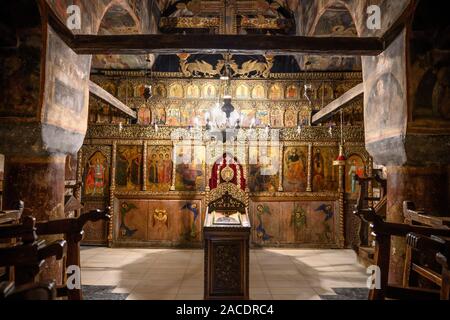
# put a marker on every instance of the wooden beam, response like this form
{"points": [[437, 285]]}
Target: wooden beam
{"points": [[109, 98], [337, 104], [219, 43]]}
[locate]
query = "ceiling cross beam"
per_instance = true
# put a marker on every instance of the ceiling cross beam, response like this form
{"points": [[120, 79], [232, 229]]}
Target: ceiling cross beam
{"points": [[101, 93]]}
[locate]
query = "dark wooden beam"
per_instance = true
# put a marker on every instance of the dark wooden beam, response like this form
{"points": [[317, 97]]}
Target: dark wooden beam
{"points": [[109, 98], [337, 104], [218, 43]]}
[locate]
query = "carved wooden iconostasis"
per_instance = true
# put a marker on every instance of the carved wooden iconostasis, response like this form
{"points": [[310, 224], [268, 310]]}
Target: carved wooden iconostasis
{"points": [[157, 172]]}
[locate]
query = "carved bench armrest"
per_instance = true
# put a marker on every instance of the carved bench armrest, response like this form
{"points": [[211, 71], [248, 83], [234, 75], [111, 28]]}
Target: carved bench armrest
{"points": [[57, 249], [30, 291]]}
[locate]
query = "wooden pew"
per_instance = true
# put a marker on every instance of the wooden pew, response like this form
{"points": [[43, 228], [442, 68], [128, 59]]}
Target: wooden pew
{"points": [[72, 229], [27, 254], [366, 249], [429, 263], [383, 231], [31, 291]]}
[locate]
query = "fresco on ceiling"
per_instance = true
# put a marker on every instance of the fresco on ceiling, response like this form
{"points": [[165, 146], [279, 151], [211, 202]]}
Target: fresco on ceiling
{"points": [[96, 176], [117, 20], [354, 167], [128, 168], [325, 175], [336, 21], [159, 168], [190, 168], [295, 169]]}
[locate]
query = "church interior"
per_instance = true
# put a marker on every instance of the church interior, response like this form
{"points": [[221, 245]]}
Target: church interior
{"points": [[224, 149]]}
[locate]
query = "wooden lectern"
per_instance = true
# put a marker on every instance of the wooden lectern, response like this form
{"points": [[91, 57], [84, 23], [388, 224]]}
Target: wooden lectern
{"points": [[226, 234]]}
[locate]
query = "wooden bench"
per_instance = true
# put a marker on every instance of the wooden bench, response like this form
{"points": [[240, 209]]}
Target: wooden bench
{"points": [[31, 291], [27, 254], [383, 231], [72, 229]]}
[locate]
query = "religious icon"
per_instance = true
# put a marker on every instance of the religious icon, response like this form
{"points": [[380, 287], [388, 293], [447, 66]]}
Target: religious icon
{"points": [[144, 115], [318, 171], [295, 170], [292, 92], [275, 93], [258, 92], [192, 91], [290, 118], [276, 118], [128, 167], [176, 91], [355, 167], [190, 168], [173, 116], [96, 175], [209, 91], [242, 92], [159, 168]]}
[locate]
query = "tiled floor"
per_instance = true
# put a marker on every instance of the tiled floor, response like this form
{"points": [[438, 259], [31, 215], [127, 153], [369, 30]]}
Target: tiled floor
{"points": [[178, 274]]}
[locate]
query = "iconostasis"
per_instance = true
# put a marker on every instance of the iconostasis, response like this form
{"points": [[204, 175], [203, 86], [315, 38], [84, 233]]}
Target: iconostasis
{"points": [[156, 171]]}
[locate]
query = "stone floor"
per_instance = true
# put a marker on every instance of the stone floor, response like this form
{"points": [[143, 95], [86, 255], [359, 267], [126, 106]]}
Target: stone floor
{"points": [[156, 274]]}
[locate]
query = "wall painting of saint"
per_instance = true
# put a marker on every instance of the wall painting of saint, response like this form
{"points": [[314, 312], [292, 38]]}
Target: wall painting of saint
{"points": [[159, 168], [354, 167], [96, 176], [325, 175], [295, 169]]}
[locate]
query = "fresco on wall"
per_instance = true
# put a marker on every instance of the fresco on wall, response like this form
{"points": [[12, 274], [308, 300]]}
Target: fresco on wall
{"points": [[263, 169], [432, 98], [128, 168], [190, 168], [193, 209], [295, 167], [96, 179], [325, 175], [261, 233], [354, 167], [385, 104], [159, 168]]}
